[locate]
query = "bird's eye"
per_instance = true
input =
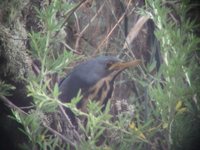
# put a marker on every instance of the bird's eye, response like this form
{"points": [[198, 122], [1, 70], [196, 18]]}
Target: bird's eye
{"points": [[109, 64]]}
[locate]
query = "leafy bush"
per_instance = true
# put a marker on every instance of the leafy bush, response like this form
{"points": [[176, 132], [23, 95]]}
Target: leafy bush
{"points": [[167, 115]]}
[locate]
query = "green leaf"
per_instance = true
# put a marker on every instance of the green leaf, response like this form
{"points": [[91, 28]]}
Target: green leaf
{"points": [[5, 89], [56, 90]]}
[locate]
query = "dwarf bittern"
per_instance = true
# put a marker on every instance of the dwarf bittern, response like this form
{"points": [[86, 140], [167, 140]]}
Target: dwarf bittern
{"points": [[95, 78]]}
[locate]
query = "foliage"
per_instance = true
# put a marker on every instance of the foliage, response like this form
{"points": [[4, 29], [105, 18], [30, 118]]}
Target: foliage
{"points": [[170, 97], [52, 62], [5, 88], [174, 94]]}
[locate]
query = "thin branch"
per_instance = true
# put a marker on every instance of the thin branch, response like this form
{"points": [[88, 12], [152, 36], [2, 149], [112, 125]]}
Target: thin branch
{"points": [[86, 27], [69, 14], [70, 48], [60, 135], [70, 124], [117, 24], [111, 31], [12, 106], [27, 107]]}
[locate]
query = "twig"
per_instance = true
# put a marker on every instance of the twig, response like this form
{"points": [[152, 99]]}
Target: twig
{"points": [[117, 24], [71, 49], [27, 107], [86, 27], [69, 14], [11, 105], [120, 28], [70, 124], [60, 135], [109, 34]]}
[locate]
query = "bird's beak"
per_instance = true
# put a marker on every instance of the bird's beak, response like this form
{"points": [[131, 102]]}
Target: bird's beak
{"points": [[123, 65]]}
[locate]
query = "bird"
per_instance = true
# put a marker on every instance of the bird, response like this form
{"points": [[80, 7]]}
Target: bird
{"points": [[95, 79]]}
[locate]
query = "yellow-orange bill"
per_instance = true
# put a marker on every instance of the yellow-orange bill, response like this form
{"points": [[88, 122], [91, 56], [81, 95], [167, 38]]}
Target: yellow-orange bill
{"points": [[124, 65]]}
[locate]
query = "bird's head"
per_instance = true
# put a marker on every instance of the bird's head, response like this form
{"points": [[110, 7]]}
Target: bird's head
{"points": [[103, 66]]}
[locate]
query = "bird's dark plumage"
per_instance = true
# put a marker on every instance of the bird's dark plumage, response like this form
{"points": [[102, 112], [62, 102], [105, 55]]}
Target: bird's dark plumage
{"points": [[95, 78]]}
